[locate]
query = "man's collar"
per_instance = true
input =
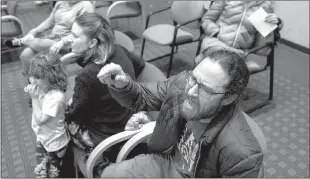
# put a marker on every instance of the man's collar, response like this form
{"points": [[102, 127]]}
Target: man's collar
{"points": [[218, 122]]}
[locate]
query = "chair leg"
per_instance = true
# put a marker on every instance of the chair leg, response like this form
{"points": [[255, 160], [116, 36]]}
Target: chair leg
{"points": [[271, 61], [142, 48], [76, 171], [170, 62], [198, 48]]}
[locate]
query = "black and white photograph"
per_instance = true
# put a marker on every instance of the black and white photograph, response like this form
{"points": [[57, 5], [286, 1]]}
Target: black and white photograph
{"points": [[154, 89]]}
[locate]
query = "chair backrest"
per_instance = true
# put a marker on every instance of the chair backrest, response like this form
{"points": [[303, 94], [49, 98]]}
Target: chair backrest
{"points": [[98, 4], [123, 40], [122, 9], [151, 73], [257, 132], [184, 11]]}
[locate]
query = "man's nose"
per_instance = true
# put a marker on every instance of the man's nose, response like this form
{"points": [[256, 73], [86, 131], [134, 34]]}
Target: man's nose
{"points": [[193, 91]]}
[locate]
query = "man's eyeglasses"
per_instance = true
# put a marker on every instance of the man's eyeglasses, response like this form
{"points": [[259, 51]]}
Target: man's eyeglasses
{"points": [[203, 91]]}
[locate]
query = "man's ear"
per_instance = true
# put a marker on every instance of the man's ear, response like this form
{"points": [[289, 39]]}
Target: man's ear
{"points": [[229, 99], [93, 43]]}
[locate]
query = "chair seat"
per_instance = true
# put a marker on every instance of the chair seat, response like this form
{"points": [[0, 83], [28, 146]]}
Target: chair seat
{"points": [[125, 10], [123, 40], [162, 34]]}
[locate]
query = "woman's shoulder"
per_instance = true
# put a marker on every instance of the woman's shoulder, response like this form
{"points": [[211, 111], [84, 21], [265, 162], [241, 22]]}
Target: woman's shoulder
{"points": [[89, 71], [120, 55]]}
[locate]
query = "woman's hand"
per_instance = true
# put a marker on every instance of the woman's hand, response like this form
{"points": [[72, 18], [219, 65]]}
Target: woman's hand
{"points": [[33, 90], [137, 121], [27, 38], [113, 75], [272, 19], [57, 47]]}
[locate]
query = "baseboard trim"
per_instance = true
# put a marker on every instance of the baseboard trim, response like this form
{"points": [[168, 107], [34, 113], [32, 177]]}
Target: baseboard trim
{"points": [[295, 45]]}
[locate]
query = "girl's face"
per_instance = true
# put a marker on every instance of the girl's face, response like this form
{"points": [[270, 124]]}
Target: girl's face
{"points": [[80, 42], [42, 84]]}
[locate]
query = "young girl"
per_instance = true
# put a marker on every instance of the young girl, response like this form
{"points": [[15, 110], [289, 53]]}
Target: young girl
{"points": [[48, 83]]}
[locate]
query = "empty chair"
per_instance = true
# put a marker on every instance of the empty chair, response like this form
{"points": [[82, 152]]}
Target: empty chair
{"points": [[183, 13]]}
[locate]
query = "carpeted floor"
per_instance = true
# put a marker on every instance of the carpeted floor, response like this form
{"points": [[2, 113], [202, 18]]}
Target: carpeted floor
{"points": [[285, 122]]}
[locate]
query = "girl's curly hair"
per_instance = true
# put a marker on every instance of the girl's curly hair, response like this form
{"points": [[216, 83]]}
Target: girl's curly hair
{"points": [[48, 67]]}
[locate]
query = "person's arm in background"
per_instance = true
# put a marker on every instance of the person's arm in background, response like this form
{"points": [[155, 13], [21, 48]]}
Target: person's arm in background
{"points": [[208, 20], [48, 23], [272, 19]]}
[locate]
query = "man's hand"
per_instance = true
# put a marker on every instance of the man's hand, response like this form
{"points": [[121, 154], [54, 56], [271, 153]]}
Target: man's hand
{"points": [[137, 121], [33, 90], [57, 47], [113, 75], [272, 19]]}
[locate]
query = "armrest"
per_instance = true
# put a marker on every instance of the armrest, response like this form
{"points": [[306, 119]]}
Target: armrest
{"points": [[146, 132], [69, 58], [180, 25], [152, 13], [13, 18], [103, 146], [255, 49]]}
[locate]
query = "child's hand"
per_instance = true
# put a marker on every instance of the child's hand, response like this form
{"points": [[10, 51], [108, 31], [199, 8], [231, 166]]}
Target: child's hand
{"points": [[33, 90]]}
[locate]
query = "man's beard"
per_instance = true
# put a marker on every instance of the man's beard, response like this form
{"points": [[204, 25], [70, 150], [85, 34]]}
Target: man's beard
{"points": [[191, 110]]}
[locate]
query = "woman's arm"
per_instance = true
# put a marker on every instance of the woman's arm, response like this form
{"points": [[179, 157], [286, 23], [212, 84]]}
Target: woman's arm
{"points": [[48, 23], [82, 100], [209, 18]]}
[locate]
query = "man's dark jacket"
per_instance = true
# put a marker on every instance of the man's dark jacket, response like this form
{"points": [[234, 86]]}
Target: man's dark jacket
{"points": [[228, 147]]}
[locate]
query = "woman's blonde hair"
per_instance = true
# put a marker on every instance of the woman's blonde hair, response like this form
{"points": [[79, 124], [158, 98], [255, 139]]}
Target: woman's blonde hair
{"points": [[96, 27]]}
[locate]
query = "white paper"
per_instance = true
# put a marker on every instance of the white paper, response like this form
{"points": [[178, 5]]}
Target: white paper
{"points": [[258, 21]]}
